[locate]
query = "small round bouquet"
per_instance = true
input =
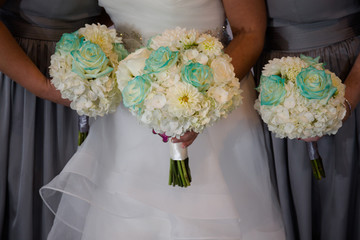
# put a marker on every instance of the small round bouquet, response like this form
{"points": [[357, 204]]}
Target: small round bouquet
{"points": [[182, 81], [82, 68], [299, 98]]}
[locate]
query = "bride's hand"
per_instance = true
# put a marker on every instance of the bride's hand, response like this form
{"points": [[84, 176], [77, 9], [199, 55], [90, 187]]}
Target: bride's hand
{"points": [[187, 139]]}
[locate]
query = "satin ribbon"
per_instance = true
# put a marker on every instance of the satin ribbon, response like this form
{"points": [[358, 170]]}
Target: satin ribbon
{"points": [[313, 150], [177, 152], [83, 122]]}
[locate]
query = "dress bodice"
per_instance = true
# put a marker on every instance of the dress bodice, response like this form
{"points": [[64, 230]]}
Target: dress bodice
{"points": [[308, 11], [143, 19], [51, 13]]}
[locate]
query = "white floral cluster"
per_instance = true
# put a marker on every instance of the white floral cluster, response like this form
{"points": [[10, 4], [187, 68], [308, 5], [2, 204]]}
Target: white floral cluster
{"points": [[297, 116], [189, 82], [83, 72]]}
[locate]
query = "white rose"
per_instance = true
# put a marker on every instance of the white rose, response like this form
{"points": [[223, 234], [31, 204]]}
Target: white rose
{"points": [[190, 54], [219, 94], [202, 58], [123, 75], [135, 66], [155, 101], [223, 70]]}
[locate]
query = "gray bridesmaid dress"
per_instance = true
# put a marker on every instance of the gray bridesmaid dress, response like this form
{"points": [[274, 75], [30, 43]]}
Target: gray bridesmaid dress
{"points": [[37, 137], [328, 209]]}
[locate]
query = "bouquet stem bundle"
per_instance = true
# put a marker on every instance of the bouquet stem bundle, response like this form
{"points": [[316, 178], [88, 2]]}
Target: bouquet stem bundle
{"points": [[83, 122], [316, 161], [179, 174]]}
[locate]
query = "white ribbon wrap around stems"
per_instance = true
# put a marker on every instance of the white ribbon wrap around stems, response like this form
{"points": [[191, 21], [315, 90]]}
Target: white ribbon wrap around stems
{"points": [[177, 152], [312, 150]]}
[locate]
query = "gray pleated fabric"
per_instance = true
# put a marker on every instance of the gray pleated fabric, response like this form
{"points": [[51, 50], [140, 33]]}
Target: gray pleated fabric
{"points": [[37, 138], [328, 209]]}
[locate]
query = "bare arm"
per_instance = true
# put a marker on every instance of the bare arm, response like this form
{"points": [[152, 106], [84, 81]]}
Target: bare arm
{"points": [[248, 23], [352, 82], [18, 66]]}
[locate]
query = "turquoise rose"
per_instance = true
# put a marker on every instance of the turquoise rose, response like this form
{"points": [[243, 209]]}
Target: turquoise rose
{"points": [[315, 84], [136, 90], [272, 90], [198, 75], [160, 60], [90, 62], [68, 42], [120, 51]]}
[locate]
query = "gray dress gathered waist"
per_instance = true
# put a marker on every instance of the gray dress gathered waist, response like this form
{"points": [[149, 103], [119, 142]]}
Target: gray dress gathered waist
{"points": [[23, 29], [305, 36]]}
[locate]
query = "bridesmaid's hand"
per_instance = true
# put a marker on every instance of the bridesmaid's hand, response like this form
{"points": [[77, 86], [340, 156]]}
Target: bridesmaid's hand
{"points": [[187, 139], [312, 139]]}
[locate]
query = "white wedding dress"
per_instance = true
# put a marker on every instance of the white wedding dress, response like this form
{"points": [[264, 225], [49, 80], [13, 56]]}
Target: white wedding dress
{"points": [[116, 185]]}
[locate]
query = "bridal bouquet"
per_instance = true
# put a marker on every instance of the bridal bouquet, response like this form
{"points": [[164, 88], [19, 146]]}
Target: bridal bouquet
{"points": [[82, 68], [299, 98], [182, 81]]}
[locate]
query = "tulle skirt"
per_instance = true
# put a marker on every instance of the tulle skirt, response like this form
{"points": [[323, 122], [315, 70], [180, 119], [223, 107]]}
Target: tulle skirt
{"points": [[116, 185]]}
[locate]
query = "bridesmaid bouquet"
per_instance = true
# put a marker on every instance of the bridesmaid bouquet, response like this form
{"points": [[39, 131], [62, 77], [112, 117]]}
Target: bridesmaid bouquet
{"points": [[82, 68], [182, 81], [299, 98]]}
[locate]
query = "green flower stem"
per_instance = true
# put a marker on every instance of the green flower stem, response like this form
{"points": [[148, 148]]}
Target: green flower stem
{"points": [[81, 137], [185, 172], [315, 169], [179, 173], [188, 168], [320, 166], [171, 170], [316, 161]]}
